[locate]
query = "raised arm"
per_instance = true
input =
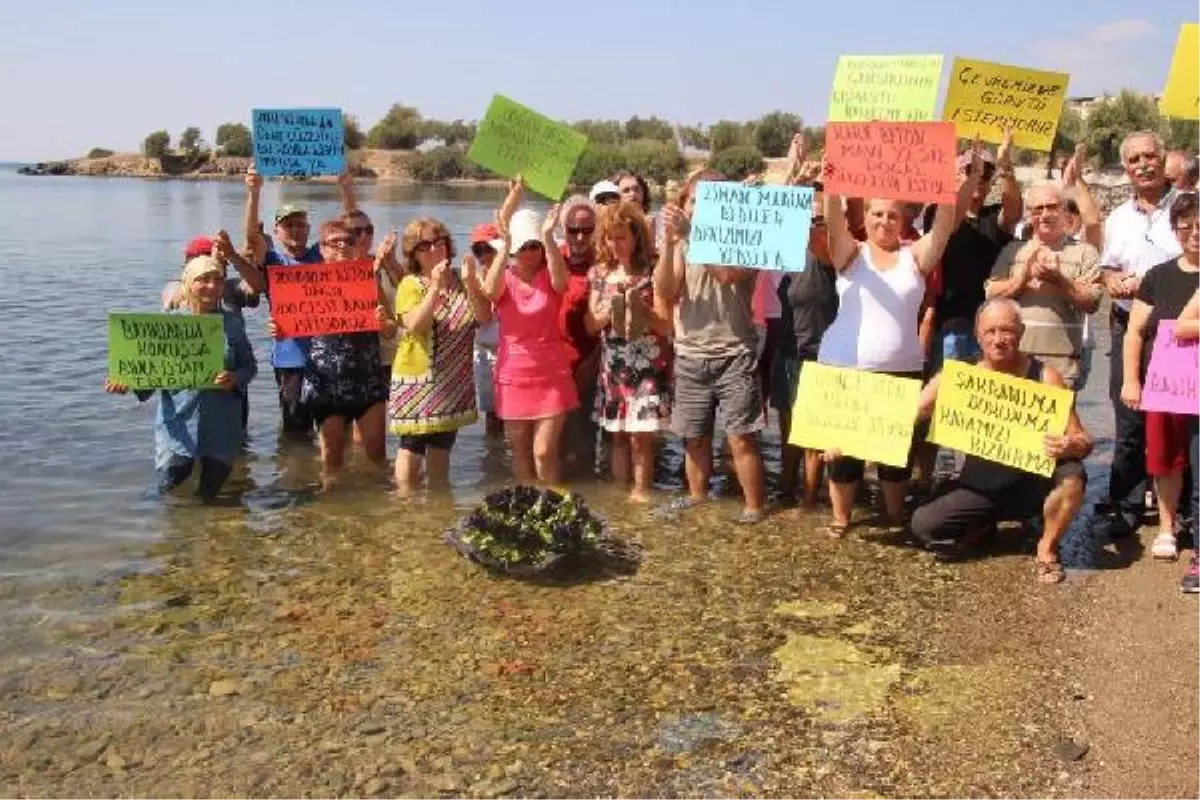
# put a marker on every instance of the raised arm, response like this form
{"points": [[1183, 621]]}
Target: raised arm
{"points": [[419, 319], [346, 191], [1011, 205], [1092, 225], [224, 250], [929, 248], [250, 214], [481, 306], [559, 276], [493, 279], [842, 246], [670, 270]]}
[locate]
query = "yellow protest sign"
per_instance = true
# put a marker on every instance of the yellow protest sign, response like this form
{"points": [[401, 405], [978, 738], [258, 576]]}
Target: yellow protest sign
{"points": [[867, 415], [997, 417], [984, 98], [1181, 97], [885, 88]]}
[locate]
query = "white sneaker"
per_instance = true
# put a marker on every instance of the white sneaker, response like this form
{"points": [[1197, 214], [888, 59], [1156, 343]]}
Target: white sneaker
{"points": [[1164, 547]]}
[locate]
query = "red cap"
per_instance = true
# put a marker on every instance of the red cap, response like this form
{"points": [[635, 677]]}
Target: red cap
{"points": [[200, 246], [484, 233]]}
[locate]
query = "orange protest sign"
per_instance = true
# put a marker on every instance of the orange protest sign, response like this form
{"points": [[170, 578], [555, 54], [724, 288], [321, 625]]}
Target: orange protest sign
{"points": [[315, 299], [893, 160]]}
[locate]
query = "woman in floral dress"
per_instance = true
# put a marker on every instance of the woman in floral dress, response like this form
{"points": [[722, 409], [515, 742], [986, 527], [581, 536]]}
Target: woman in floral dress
{"points": [[633, 398], [433, 373]]}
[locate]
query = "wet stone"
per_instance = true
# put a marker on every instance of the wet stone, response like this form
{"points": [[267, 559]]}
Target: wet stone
{"points": [[1070, 750]]}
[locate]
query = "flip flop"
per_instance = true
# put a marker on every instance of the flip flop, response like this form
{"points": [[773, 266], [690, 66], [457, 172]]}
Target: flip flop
{"points": [[836, 530], [1049, 572]]}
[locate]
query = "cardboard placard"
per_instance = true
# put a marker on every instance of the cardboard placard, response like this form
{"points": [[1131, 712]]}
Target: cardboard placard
{"points": [[983, 98], [514, 139], [885, 88], [762, 227], [165, 351], [317, 299], [1173, 373], [298, 142], [893, 160], [1181, 96]]}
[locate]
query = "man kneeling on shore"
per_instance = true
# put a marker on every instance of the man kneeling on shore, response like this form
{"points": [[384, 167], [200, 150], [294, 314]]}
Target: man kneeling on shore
{"points": [[987, 492]]}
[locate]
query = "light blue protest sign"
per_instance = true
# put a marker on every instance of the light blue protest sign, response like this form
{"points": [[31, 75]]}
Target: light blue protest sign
{"points": [[298, 142], [761, 227]]}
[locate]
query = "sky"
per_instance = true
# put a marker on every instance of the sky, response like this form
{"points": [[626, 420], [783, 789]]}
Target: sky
{"points": [[77, 75]]}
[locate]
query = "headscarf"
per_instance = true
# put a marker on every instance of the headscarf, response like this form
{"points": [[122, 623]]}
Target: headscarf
{"points": [[197, 268]]}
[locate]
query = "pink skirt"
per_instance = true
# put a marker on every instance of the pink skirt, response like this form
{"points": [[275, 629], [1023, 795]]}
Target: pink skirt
{"points": [[536, 400]]}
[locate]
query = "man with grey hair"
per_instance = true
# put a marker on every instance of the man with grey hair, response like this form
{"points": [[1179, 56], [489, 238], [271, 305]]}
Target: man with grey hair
{"points": [[987, 492], [1180, 169], [1054, 279], [1137, 236]]}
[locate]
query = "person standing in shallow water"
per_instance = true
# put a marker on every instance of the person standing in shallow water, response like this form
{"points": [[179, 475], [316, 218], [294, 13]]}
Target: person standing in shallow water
{"points": [[202, 427], [534, 386], [432, 388], [633, 392]]}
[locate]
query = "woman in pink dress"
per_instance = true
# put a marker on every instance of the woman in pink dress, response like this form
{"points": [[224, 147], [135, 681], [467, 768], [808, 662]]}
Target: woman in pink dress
{"points": [[534, 387]]}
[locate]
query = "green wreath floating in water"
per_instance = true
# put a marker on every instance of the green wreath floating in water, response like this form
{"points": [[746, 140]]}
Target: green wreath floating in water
{"points": [[526, 531]]}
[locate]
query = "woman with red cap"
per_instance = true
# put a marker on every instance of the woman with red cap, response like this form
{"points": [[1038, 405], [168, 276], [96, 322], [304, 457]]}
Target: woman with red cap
{"points": [[485, 240]]}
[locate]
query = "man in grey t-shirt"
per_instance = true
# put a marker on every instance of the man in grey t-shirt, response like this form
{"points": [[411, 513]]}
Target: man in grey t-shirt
{"points": [[715, 360]]}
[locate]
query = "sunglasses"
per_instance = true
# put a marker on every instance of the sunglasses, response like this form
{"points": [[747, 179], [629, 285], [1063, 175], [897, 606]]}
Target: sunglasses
{"points": [[425, 245], [580, 230], [341, 241], [1035, 210]]}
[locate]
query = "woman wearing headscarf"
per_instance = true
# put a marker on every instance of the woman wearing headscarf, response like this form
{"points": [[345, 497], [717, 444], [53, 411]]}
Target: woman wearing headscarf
{"points": [[202, 426]]}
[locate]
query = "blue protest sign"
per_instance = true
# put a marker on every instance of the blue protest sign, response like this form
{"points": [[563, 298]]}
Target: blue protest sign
{"points": [[761, 227], [298, 142]]}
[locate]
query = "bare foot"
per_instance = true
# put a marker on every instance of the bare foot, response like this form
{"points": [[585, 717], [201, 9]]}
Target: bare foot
{"points": [[642, 496]]}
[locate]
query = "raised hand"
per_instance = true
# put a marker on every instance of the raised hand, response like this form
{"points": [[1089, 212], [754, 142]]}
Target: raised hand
{"points": [[222, 247], [113, 387], [386, 254], [225, 380], [675, 222], [551, 221], [254, 181], [439, 277], [1073, 171], [516, 192], [1004, 154], [470, 268]]}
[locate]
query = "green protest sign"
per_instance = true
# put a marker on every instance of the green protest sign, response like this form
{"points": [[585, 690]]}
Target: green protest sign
{"points": [[165, 351], [514, 139]]}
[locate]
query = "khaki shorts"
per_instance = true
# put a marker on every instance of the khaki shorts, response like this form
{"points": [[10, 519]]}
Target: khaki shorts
{"points": [[702, 385]]}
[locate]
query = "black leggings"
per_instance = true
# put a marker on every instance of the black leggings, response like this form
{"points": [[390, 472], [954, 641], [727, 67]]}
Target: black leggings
{"points": [[213, 474]]}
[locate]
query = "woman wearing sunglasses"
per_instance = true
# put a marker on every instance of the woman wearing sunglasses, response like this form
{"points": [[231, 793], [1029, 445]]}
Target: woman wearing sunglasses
{"points": [[433, 388], [534, 385]]}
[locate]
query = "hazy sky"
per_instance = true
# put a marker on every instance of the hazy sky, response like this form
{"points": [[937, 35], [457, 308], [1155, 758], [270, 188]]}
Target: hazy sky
{"points": [[76, 75]]}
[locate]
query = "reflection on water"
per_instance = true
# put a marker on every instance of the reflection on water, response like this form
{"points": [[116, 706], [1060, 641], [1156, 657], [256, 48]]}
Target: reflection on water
{"points": [[289, 641]]}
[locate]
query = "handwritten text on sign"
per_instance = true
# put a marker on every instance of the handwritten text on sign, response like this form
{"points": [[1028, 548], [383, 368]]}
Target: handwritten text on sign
{"points": [[165, 351], [316, 299], [1181, 97], [298, 142], [893, 160], [867, 415], [1171, 378], [984, 98], [997, 417], [885, 88], [764, 227], [514, 139]]}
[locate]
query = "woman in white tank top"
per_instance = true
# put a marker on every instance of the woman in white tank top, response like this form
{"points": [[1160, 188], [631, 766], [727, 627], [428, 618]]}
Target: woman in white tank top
{"points": [[880, 285]]}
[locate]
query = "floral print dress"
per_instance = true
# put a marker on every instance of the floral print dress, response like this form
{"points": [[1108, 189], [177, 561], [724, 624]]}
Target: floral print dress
{"points": [[633, 391]]}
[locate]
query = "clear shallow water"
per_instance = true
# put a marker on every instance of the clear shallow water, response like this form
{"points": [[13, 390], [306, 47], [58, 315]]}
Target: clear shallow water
{"points": [[120, 613]]}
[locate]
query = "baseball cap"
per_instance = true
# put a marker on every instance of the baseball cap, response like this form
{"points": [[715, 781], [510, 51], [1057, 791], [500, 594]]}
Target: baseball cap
{"points": [[525, 227], [287, 210], [603, 188], [486, 233], [200, 246]]}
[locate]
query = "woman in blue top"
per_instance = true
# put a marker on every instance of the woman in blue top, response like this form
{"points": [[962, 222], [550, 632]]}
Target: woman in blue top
{"points": [[202, 425]]}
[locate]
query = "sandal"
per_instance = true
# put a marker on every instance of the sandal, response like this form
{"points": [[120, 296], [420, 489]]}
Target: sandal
{"points": [[836, 530], [1049, 571]]}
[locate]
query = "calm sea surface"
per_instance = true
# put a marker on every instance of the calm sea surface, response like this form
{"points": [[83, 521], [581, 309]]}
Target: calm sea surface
{"points": [[330, 611]]}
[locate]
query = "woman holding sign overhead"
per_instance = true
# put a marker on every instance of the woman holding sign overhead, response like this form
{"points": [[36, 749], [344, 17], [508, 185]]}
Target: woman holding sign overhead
{"points": [[534, 386], [1164, 292], [880, 286], [202, 426]]}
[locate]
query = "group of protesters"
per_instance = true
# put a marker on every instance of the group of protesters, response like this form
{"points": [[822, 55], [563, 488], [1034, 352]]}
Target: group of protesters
{"points": [[588, 327]]}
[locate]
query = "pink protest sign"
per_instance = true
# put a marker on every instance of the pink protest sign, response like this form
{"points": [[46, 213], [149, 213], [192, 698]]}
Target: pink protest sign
{"points": [[1171, 378]]}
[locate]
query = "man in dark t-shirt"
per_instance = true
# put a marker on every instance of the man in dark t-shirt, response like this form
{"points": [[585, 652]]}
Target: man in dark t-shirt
{"points": [[970, 254]]}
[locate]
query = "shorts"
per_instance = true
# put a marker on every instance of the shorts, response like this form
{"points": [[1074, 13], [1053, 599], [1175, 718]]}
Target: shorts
{"points": [[418, 443], [956, 510], [850, 470], [704, 384], [1167, 439], [350, 412]]}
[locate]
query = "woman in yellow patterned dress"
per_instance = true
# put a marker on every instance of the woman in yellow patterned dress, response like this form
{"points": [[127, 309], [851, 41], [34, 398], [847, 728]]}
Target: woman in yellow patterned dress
{"points": [[433, 387]]}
